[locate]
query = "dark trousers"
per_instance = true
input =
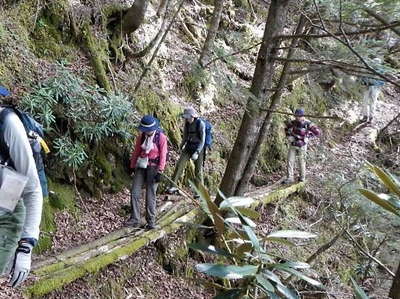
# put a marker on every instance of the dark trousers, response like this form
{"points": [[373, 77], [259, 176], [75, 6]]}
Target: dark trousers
{"points": [[144, 177], [181, 164]]}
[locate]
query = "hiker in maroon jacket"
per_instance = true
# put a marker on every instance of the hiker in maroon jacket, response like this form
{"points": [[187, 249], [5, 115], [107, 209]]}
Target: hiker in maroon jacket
{"points": [[298, 132]]}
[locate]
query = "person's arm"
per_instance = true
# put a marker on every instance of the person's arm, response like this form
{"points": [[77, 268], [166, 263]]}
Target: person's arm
{"points": [[136, 151], [22, 157], [163, 149], [288, 128], [315, 131], [185, 137], [202, 134]]}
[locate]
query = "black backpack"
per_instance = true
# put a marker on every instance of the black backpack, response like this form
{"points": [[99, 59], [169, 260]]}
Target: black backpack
{"points": [[34, 131]]}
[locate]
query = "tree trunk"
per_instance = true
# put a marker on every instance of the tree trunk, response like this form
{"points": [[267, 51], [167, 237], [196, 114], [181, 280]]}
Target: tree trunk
{"points": [[254, 116], [275, 102], [395, 289], [212, 31]]}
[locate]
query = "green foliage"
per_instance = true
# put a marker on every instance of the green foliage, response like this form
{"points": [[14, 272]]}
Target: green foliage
{"points": [[358, 291], [242, 255], [389, 201], [79, 114], [195, 80]]}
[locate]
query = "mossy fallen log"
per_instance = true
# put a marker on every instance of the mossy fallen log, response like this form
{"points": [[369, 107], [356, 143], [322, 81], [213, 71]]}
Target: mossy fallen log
{"points": [[56, 272]]}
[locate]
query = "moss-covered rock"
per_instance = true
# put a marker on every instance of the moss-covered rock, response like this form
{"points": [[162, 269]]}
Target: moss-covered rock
{"points": [[62, 197], [149, 102], [48, 41]]}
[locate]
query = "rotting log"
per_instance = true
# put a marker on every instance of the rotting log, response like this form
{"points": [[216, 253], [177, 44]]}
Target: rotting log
{"points": [[65, 268]]}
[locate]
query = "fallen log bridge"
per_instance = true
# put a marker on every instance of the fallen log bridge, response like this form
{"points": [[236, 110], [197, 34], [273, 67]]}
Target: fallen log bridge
{"points": [[56, 272]]}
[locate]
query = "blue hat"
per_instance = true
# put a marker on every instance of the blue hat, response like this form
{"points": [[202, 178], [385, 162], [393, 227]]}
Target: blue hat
{"points": [[148, 123], [299, 112], [4, 92]]}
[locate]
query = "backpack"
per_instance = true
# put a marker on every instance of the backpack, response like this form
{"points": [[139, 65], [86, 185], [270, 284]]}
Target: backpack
{"points": [[34, 132], [209, 132]]}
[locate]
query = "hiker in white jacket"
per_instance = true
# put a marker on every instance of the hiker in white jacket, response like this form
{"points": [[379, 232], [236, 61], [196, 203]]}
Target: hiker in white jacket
{"points": [[19, 219]]}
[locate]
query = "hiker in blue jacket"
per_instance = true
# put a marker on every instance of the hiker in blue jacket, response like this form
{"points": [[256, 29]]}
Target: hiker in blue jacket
{"points": [[19, 219], [192, 146]]}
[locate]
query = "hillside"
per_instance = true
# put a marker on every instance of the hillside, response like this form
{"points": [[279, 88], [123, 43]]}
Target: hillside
{"points": [[71, 62]]}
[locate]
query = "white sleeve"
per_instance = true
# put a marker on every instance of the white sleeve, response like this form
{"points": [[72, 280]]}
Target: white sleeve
{"points": [[22, 157]]}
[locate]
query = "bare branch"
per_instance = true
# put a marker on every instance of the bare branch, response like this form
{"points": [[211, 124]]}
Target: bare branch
{"points": [[367, 254], [231, 54], [146, 69], [305, 115], [351, 33], [380, 19]]}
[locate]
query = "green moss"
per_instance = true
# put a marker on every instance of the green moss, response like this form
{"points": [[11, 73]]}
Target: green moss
{"points": [[148, 102], [195, 80], [93, 265], [48, 41], [62, 197], [97, 49]]}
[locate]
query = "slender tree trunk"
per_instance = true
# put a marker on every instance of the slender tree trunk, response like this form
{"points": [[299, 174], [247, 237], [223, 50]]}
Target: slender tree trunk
{"points": [[275, 102], [212, 31], [395, 290], [260, 90]]}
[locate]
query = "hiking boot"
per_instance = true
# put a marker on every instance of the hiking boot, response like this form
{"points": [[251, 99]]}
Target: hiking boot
{"points": [[150, 226], [302, 179], [288, 181], [132, 223], [364, 119], [172, 190], [369, 120]]}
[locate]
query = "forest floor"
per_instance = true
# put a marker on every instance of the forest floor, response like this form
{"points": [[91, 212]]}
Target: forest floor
{"points": [[143, 276]]}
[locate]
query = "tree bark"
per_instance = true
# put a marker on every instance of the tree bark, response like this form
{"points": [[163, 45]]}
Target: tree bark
{"points": [[395, 289], [212, 31], [254, 116], [275, 102]]}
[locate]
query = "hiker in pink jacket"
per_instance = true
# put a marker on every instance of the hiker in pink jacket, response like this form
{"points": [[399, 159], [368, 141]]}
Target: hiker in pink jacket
{"points": [[148, 161]]}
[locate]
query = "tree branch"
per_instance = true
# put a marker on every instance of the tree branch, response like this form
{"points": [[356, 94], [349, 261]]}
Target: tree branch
{"points": [[346, 43], [380, 19], [305, 115], [231, 54], [352, 33], [158, 47], [367, 254]]}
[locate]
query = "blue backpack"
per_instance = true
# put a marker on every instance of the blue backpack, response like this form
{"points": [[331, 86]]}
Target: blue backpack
{"points": [[209, 132], [32, 127]]}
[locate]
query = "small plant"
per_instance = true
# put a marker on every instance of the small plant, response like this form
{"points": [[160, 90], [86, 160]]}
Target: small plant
{"points": [[245, 265], [79, 114], [390, 202]]}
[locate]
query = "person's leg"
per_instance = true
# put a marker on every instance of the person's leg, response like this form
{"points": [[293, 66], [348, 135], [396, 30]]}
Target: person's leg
{"points": [[151, 189], [302, 162], [374, 93], [198, 168], [365, 105], [180, 166], [290, 163], [10, 232], [138, 180]]}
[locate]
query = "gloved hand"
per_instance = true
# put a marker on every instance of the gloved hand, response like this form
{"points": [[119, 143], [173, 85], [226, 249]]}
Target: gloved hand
{"points": [[306, 139], [22, 263], [195, 156], [157, 177], [291, 139]]}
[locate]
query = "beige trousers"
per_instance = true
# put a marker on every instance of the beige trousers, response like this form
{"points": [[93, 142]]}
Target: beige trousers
{"points": [[301, 153], [370, 97]]}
